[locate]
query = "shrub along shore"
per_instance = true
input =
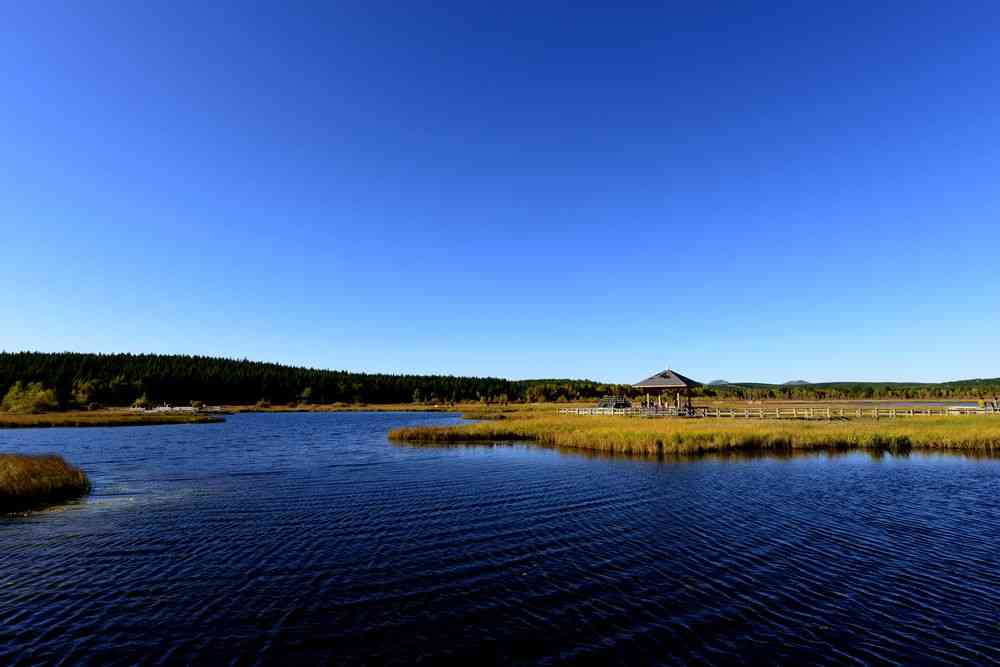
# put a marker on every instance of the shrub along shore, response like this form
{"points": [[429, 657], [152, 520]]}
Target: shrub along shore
{"points": [[27, 481], [695, 436]]}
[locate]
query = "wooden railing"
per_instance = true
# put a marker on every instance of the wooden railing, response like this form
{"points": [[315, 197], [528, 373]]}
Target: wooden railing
{"points": [[786, 412], [627, 412]]}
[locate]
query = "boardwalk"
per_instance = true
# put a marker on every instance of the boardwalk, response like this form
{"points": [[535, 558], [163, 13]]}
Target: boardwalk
{"points": [[811, 412]]}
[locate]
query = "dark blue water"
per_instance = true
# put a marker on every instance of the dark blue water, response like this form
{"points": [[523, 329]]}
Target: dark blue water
{"points": [[310, 538]]}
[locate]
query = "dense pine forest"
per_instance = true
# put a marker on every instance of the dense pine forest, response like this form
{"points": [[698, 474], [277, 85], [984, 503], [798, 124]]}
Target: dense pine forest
{"points": [[127, 379], [80, 380], [968, 389]]}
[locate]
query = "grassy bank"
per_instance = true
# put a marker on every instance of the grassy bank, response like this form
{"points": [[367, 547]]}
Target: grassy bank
{"points": [[469, 410], [99, 418], [26, 481], [694, 436]]}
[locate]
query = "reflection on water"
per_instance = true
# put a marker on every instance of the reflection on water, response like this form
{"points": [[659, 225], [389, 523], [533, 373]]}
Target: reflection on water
{"points": [[730, 455], [309, 537]]}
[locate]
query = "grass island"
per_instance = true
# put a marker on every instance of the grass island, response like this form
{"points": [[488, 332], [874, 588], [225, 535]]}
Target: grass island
{"points": [[32, 480], [693, 436]]}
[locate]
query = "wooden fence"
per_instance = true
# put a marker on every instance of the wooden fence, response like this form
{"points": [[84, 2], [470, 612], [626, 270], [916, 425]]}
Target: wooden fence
{"points": [[786, 412]]}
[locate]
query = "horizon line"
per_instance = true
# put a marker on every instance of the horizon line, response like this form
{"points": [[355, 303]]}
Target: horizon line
{"points": [[499, 377]]}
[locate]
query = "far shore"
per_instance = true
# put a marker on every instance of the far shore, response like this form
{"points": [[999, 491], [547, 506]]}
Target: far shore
{"points": [[554, 406], [121, 416]]}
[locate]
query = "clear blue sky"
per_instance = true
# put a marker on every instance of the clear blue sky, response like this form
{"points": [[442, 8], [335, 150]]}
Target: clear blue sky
{"points": [[524, 189]]}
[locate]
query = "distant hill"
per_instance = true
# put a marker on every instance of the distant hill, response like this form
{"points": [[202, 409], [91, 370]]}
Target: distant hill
{"points": [[796, 382], [718, 383]]}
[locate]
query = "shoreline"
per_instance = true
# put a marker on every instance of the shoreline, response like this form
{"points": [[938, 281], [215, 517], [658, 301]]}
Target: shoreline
{"points": [[86, 419]]}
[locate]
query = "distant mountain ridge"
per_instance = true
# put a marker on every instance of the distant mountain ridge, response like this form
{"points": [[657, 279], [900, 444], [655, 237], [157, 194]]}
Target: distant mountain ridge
{"points": [[801, 390], [873, 383]]}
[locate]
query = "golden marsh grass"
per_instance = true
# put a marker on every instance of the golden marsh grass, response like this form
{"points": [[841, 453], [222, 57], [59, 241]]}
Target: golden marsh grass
{"points": [[694, 436], [27, 480]]}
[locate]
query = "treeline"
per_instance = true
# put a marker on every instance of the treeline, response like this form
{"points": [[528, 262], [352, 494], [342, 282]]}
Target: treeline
{"points": [[80, 380], [69, 379], [970, 389]]}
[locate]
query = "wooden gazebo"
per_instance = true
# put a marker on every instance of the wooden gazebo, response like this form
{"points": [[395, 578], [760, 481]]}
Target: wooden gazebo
{"points": [[666, 382]]}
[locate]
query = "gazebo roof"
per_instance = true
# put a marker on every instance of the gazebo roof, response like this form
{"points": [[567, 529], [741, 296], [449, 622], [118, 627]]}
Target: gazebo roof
{"points": [[667, 379]]}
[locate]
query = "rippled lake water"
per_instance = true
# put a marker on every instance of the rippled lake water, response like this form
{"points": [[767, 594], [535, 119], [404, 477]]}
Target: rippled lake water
{"points": [[311, 538]]}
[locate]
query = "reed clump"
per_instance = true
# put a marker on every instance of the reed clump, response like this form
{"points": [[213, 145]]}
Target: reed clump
{"points": [[28, 480], [696, 436]]}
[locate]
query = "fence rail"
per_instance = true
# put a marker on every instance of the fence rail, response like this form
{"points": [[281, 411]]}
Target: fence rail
{"points": [[785, 413]]}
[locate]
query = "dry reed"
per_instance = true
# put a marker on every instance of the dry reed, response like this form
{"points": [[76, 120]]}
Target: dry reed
{"points": [[684, 436], [27, 480]]}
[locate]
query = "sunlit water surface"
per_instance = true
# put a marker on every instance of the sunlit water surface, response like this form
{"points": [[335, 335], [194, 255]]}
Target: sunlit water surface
{"points": [[311, 538]]}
